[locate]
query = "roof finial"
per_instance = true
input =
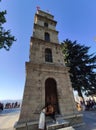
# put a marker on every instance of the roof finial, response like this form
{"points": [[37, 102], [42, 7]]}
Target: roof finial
{"points": [[38, 8]]}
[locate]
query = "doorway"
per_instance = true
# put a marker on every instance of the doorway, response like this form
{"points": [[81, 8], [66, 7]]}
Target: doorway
{"points": [[51, 94]]}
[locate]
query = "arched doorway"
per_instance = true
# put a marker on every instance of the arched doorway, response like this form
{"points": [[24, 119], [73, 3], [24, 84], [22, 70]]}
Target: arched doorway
{"points": [[51, 93]]}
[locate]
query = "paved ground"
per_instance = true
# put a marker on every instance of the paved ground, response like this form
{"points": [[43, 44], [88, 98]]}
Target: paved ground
{"points": [[90, 121], [8, 119]]}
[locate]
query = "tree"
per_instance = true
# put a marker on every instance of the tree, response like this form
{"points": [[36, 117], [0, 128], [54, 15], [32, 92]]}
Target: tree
{"points": [[82, 66], [6, 39]]}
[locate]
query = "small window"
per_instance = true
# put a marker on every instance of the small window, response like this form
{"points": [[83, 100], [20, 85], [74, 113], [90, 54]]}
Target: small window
{"points": [[46, 25], [47, 37], [48, 55]]}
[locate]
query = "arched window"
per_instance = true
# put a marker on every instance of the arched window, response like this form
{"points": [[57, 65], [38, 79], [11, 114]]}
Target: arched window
{"points": [[47, 37], [46, 25], [48, 55]]}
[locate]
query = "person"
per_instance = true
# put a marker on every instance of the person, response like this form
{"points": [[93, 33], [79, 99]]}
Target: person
{"points": [[48, 110], [42, 120], [51, 112], [43, 113]]}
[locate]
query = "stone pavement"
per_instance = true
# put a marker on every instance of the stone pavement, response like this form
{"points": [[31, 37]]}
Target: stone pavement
{"points": [[8, 118], [83, 127], [7, 121], [89, 118]]}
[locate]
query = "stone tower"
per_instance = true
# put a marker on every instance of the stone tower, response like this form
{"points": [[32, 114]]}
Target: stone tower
{"points": [[47, 77]]}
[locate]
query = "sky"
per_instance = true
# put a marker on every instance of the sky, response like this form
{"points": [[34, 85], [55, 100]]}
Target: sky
{"points": [[76, 20]]}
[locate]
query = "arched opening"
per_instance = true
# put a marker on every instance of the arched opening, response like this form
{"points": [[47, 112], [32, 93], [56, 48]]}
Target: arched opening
{"points": [[51, 94], [48, 55], [47, 37], [46, 25]]}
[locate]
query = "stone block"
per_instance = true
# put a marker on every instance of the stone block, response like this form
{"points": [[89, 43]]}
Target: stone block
{"points": [[67, 128], [60, 123]]}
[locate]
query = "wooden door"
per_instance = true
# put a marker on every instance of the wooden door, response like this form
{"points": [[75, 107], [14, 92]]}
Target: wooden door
{"points": [[51, 94]]}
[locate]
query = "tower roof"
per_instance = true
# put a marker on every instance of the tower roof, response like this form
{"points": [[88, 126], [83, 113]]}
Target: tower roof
{"points": [[42, 13]]}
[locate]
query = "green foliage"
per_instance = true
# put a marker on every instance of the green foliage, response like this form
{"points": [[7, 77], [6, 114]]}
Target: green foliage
{"points": [[6, 39], [82, 66]]}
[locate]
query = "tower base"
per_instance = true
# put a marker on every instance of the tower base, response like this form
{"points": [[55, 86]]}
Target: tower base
{"points": [[61, 122]]}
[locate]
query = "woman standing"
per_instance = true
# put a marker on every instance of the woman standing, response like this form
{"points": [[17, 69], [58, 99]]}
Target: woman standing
{"points": [[46, 111]]}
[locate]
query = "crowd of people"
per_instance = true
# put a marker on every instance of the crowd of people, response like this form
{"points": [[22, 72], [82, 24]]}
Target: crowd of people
{"points": [[9, 105], [89, 104], [1, 106], [12, 105]]}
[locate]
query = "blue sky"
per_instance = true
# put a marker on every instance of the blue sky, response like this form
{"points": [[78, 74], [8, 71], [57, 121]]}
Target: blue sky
{"points": [[76, 20]]}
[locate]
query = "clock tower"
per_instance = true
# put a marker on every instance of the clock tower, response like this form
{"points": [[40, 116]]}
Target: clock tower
{"points": [[47, 77]]}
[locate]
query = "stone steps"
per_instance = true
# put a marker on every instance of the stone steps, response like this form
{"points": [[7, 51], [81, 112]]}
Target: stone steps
{"points": [[60, 124], [67, 128]]}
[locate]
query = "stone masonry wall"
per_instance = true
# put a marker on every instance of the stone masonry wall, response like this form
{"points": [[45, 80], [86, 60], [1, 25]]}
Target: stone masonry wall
{"points": [[34, 96]]}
